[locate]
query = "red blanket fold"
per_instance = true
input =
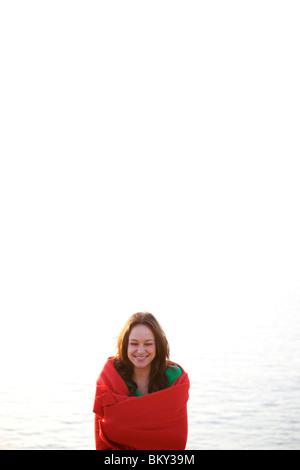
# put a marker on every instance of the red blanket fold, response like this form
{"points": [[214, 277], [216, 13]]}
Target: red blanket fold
{"points": [[157, 421]]}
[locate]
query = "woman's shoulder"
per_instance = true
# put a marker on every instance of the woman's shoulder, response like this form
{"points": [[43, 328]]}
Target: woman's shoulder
{"points": [[173, 371]]}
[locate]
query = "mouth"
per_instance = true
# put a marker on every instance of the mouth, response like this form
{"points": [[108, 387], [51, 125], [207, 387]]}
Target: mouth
{"points": [[141, 358]]}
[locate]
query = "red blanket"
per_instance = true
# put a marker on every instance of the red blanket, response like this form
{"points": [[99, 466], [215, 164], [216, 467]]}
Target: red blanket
{"points": [[150, 422]]}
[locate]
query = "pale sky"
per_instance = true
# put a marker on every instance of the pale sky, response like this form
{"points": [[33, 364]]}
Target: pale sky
{"points": [[149, 161]]}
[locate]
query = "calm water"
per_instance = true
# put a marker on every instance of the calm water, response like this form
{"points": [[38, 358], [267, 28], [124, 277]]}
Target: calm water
{"points": [[245, 395]]}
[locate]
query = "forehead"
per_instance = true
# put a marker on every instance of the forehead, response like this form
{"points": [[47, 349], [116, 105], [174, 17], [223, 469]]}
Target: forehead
{"points": [[141, 332]]}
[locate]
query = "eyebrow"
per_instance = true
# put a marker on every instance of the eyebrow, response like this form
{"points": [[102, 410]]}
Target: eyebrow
{"points": [[133, 339]]}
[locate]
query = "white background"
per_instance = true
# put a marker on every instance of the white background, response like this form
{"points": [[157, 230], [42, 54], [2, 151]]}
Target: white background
{"points": [[149, 161]]}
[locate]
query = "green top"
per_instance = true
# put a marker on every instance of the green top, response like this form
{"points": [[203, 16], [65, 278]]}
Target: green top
{"points": [[173, 372]]}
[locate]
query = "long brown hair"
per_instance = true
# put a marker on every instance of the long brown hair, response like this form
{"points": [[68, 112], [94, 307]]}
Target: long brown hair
{"points": [[158, 377]]}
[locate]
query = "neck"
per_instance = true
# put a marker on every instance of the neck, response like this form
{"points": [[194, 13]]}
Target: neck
{"points": [[142, 373]]}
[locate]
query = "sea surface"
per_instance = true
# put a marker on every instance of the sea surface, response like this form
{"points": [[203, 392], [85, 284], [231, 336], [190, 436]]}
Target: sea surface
{"points": [[244, 395]]}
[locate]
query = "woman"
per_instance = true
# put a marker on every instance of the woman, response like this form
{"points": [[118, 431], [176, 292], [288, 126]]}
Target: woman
{"points": [[141, 396]]}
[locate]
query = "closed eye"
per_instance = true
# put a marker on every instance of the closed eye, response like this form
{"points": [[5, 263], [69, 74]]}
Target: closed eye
{"points": [[136, 344]]}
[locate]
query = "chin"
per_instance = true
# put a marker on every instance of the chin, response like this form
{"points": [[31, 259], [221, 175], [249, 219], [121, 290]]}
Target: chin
{"points": [[140, 364]]}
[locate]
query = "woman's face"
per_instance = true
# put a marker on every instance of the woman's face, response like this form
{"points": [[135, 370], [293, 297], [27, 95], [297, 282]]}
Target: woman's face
{"points": [[141, 346]]}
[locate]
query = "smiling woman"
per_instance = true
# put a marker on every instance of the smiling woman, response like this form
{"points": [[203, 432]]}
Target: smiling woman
{"points": [[141, 396], [141, 352]]}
